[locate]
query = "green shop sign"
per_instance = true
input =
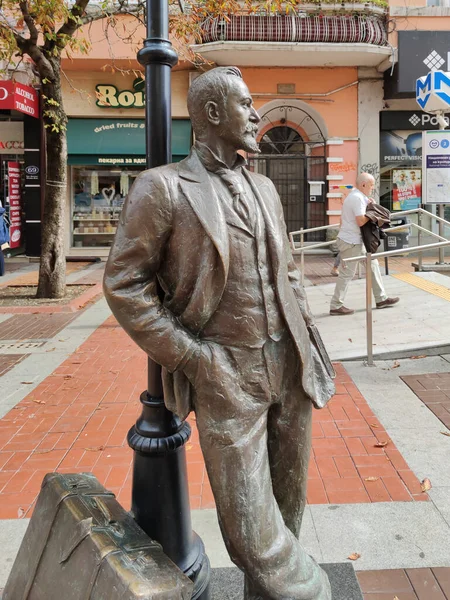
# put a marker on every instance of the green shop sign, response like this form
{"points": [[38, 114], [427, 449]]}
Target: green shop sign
{"points": [[108, 96], [113, 140]]}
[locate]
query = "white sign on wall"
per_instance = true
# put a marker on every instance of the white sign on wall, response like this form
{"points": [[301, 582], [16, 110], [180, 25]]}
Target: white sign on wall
{"points": [[436, 166], [11, 137]]}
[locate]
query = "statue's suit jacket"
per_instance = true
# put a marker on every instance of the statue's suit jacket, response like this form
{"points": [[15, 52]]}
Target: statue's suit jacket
{"points": [[172, 230]]}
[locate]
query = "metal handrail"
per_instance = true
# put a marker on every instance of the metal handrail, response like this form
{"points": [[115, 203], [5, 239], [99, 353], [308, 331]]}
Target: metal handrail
{"points": [[369, 257]]}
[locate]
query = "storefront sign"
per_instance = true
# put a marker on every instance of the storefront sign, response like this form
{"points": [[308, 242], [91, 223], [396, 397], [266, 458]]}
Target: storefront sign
{"points": [[418, 53], [119, 139], [436, 166], [93, 159], [406, 188], [11, 137], [15, 205], [409, 119], [108, 96], [399, 148], [16, 96]]}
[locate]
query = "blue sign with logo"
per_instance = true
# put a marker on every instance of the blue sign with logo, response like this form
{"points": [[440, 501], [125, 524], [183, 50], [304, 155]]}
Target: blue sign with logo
{"points": [[433, 91], [423, 90]]}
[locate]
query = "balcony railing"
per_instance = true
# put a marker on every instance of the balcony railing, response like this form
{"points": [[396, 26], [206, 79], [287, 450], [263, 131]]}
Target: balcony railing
{"points": [[352, 28]]}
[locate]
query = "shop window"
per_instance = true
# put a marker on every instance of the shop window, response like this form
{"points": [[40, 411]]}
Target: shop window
{"points": [[98, 194]]}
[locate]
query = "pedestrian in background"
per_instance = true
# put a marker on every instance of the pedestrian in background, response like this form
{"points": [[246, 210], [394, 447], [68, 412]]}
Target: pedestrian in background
{"points": [[350, 244]]}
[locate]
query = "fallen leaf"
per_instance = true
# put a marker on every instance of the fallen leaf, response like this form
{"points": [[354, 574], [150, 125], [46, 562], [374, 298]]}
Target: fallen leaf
{"points": [[20, 512], [38, 401], [417, 357], [41, 451], [27, 382], [396, 598], [380, 444], [350, 340], [354, 556], [95, 448], [425, 485], [395, 365], [51, 350], [76, 363], [67, 376], [447, 433], [371, 479], [373, 425]]}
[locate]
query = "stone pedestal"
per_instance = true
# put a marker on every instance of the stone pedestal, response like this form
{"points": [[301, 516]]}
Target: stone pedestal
{"points": [[228, 584]]}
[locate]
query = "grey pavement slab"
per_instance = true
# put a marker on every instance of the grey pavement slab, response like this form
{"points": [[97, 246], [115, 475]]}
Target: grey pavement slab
{"points": [[28, 269], [392, 535], [42, 362], [77, 275], [420, 320], [11, 534]]}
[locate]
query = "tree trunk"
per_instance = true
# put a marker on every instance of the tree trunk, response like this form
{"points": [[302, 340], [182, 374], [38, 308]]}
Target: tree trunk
{"points": [[52, 270]]}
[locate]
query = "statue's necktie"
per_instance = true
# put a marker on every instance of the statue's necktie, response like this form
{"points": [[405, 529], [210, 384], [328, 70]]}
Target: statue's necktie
{"points": [[232, 180]]}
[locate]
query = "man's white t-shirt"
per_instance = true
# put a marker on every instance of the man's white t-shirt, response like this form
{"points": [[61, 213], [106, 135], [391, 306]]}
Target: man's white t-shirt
{"points": [[354, 206]]}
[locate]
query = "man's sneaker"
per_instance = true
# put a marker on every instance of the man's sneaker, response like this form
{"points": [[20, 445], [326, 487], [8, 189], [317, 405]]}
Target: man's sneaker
{"points": [[341, 311], [335, 272], [388, 302]]}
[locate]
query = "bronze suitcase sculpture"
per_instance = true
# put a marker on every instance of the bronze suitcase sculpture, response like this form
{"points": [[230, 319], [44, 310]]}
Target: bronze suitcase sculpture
{"points": [[82, 545]]}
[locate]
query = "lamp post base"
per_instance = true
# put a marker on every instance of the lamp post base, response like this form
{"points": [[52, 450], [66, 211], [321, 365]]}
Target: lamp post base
{"points": [[160, 497]]}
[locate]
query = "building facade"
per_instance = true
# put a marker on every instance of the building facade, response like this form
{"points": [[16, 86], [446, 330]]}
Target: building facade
{"points": [[333, 85]]}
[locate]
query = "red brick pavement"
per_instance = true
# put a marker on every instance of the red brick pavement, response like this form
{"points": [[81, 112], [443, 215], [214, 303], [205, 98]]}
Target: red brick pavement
{"points": [[8, 361], [34, 326], [406, 584], [434, 391], [77, 420]]}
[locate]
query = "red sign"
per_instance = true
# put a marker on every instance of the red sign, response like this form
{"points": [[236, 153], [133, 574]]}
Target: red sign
{"points": [[17, 96], [15, 205]]}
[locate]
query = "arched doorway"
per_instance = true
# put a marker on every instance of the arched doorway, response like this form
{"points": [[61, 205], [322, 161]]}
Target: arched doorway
{"points": [[292, 145]]}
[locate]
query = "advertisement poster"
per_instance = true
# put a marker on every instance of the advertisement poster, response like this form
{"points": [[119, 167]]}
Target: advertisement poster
{"points": [[436, 166], [15, 206], [398, 148], [406, 189]]}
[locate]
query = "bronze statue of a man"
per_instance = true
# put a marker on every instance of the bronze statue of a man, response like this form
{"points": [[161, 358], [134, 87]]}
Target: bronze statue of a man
{"points": [[232, 332]]}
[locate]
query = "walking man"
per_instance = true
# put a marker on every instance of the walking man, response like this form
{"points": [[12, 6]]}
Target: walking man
{"points": [[350, 243], [231, 332]]}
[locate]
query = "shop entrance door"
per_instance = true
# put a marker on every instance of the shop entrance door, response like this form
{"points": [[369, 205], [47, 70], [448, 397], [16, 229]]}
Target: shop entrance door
{"points": [[291, 163]]}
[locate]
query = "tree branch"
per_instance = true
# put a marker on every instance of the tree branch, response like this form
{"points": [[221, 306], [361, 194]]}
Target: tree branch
{"points": [[73, 23], [29, 21]]}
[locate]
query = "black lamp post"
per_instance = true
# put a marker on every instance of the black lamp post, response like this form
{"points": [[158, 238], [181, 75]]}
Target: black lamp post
{"points": [[160, 497]]}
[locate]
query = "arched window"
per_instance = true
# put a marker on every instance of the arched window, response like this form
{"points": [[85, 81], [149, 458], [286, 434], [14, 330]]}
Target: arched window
{"points": [[282, 140]]}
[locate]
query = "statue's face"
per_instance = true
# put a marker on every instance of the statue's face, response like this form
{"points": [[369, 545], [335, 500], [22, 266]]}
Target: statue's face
{"points": [[239, 120]]}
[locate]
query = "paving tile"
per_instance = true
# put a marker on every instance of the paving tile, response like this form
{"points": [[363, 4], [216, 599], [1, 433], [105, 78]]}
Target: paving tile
{"points": [[425, 584], [442, 575], [392, 581]]}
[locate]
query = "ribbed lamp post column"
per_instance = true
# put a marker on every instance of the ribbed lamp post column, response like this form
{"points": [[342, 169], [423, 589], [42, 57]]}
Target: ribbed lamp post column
{"points": [[160, 497]]}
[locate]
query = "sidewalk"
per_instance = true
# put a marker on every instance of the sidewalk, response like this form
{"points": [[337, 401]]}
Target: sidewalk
{"points": [[71, 394]]}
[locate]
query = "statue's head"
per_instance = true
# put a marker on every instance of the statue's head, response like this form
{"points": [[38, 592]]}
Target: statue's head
{"points": [[220, 105]]}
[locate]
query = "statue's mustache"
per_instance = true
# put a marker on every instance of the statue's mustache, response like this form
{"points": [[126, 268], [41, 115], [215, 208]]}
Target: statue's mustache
{"points": [[251, 128]]}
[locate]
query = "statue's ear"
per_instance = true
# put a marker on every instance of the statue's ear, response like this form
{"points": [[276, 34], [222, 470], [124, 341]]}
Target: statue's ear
{"points": [[212, 112]]}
